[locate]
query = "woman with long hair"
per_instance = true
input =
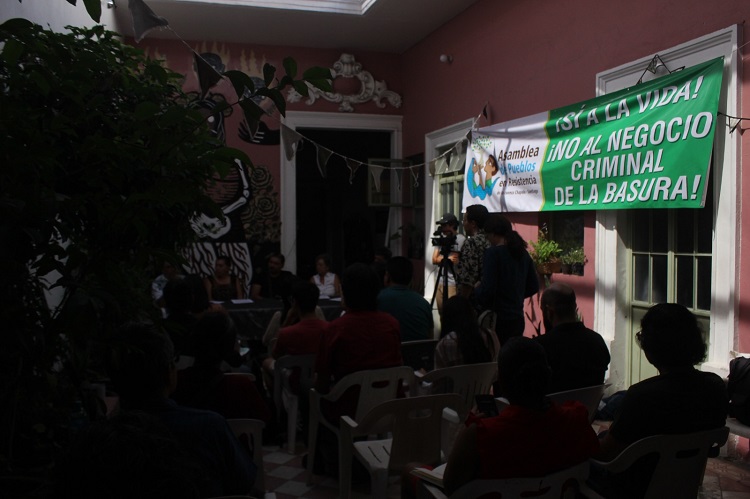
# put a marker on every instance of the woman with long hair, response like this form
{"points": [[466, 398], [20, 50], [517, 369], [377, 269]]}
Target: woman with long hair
{"points": [[463, 341]]}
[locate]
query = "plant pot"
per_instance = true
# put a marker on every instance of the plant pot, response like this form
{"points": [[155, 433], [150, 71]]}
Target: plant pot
{"points": [[565, 268], [548, 268], [576, 268]]}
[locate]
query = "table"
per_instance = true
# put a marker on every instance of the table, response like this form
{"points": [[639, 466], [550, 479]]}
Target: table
{"points": [[252, 319]]}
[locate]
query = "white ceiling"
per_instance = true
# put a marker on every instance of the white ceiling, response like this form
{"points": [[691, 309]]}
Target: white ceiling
{"points": [[390, 26]]}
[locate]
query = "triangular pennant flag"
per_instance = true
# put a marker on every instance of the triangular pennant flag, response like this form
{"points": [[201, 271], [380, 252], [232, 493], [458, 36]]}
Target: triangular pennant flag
{"points": [[207, 75], [414, 170], [468, 136], [439, 164], [376, 171], [144, 19], [433, 167], [323, 156], [353, 167], [398, 173], [290, 139], [484, 111]]}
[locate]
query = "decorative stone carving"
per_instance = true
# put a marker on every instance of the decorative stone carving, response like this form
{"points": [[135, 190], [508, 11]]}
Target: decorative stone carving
{"points": [[347, 67]]}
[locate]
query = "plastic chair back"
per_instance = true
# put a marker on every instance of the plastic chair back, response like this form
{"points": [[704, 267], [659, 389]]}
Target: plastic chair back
{"points": [[419, 354], [563, 483], [285, 396], [589, 396], [376, 386], [414, 423], [680, 466], [467, 380], [253, 430]]}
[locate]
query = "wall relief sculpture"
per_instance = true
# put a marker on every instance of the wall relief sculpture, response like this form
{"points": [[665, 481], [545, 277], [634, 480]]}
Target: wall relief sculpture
{"points": [[370, 89]]}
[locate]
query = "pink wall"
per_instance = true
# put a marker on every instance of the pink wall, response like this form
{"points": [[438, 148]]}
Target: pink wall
{"points": [[236, 56], [527, 56]]}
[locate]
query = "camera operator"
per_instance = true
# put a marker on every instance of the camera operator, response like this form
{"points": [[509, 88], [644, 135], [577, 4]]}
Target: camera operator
{"points": [[447, 232]]}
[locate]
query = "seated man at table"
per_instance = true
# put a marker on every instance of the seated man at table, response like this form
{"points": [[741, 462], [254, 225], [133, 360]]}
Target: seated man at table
{"points": [[273, 281], [140, 363], [410, 309], [577, 355]]}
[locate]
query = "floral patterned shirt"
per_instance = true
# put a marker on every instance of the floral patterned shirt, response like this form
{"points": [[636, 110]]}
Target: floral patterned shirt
{"points": [[469, 270]]}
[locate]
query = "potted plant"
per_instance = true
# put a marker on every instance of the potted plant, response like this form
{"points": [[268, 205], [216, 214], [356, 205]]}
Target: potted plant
{"points": [[546, 254], [577, 259]]}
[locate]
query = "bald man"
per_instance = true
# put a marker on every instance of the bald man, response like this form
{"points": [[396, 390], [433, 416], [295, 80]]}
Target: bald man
{"points": [[577, 355]]}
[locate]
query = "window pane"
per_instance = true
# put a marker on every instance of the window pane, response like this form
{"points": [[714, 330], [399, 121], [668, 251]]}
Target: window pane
{"points": [[703, 293], [659, 278], [684, 231], [640, 230], [659, 230], [640, 278], [684, 281]]}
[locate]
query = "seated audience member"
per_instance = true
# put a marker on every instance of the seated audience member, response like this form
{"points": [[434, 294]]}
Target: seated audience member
{"points": [[302, 334], [463, 341], [410, 309], [223, 285], [180, 321], [169, 272], [206, 386], [577, 355], [680, 399], [129, 455], [531, 437], [361, 339], [379, 261], [140, 364], [327, 282], [273, 281]]}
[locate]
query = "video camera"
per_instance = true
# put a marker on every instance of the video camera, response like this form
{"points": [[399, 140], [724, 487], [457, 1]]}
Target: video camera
{"points": [[445, 243]]}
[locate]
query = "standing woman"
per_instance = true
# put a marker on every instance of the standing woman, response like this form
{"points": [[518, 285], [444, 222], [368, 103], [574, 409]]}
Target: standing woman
{"points": [[508, 277], [223, 285], [327, 282]]}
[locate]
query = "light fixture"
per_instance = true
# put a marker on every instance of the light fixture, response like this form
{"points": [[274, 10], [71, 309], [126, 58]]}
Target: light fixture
{"points": [[445, 58]]}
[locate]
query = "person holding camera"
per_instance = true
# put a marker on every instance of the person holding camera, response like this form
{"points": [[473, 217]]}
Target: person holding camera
{"points": [[448, 243]]}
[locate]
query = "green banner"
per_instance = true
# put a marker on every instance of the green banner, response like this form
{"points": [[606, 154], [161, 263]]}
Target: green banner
{"points": [[647, 146]]}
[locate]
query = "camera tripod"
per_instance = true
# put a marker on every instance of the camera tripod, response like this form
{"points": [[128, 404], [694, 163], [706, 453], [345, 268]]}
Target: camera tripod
{"points": [[445, 266]]}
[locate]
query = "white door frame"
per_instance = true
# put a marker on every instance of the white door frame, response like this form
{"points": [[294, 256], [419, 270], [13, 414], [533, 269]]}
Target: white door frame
{"points": [[611, 302], [288, 174]]}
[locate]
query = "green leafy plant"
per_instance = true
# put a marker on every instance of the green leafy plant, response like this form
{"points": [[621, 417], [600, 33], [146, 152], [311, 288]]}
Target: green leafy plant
{"points": [[105, 161], [545, 250], [574, 255]]}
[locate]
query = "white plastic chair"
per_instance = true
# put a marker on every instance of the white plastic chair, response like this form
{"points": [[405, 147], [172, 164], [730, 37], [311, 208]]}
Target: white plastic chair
{"points": [[283, 395], [253, 429], [468, 381], [415, 424], [556, 485], [589, 396], [680, 466], [376, 386]]}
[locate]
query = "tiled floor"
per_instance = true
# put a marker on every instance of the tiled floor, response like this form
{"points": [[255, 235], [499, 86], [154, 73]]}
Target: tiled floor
{"points": [[727, 477]]}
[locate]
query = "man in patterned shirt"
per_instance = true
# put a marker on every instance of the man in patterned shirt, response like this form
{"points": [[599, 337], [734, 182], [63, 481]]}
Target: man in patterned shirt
{"points": [[469, 269]]}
